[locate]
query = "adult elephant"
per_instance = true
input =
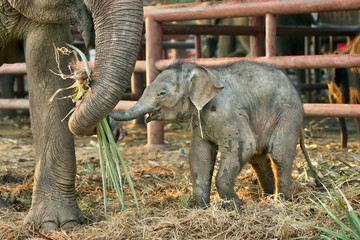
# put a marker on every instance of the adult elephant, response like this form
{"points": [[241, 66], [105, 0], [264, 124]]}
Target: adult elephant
{"points": [[29, 29], [293, 45], [226, 45]]}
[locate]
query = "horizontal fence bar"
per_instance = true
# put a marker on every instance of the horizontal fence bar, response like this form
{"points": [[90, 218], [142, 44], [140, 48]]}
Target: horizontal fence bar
{"points": [[178, 45], [310, 110], [209, 10], [292, 62], [331, 110], [23, 104], [19, 104], [13, 69], [313, 86], [124, 105], [20, 68], [317, 31], [187, 29]]}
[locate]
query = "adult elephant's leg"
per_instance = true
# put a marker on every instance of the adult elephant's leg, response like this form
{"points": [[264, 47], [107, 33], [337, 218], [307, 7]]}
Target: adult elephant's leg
{"points": [[54, 202]]}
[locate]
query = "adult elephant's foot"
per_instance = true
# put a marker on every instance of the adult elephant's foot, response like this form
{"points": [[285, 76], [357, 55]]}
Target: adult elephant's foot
{"points": [[51, 216]]}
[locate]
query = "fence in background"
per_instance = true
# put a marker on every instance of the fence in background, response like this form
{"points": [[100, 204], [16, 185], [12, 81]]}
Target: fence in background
{"points": [[262, 41]]}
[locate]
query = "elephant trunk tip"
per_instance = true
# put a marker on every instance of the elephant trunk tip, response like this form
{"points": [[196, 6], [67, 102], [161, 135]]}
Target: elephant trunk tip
{"points": [[80, 130], [138, 110], [121, 116]]}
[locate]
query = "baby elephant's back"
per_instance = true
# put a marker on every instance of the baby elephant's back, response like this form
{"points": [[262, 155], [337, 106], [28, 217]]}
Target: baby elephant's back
{"points": [[258, 84], [262, 93]]}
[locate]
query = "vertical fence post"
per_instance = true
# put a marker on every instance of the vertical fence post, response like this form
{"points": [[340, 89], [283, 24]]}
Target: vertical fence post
{"points": [[270, 34], [308, 79], [198, 46], [257, 42], [137, 80], [154, 52]]}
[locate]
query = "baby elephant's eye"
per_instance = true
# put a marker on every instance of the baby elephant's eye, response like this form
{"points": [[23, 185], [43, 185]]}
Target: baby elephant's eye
{"points": [[162, 93]]}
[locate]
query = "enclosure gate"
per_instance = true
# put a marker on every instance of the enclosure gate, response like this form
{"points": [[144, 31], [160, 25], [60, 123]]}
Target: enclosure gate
{"points": [[154, 18]]}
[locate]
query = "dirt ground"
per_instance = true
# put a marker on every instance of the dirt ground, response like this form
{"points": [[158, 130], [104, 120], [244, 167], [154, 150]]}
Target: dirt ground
{"points": [[163, 186]]}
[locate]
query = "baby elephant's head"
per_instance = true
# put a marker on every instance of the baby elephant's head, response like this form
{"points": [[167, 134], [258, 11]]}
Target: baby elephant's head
{"points": [[174, 94]]}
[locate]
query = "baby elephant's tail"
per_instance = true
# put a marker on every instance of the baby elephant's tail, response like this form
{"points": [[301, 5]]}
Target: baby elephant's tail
{"points": [[312, 169]]}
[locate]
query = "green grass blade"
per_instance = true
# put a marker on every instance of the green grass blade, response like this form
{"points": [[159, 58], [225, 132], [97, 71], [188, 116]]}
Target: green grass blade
{"points": [[184, 200], [111, 166], [115, 179], [356, 220], [332, 199], [338, 199], [128, 178], [103, 123], [122, 162], [336, 234], [350, 214], [341, 223], [103, 170], [83, 58]]}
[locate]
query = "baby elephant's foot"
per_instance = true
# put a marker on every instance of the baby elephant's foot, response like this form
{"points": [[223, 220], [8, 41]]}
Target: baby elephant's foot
{"points": [[202, 204], [282, 197], [233, 204], [228, 195]]}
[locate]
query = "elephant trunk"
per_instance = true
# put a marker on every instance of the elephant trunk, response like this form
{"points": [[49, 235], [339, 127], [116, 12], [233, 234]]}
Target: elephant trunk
{"points": [[118, 31], [138, 110]]}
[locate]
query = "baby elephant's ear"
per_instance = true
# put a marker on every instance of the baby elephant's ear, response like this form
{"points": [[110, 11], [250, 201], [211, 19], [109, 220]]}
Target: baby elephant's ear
{"points": [[205, 86]]}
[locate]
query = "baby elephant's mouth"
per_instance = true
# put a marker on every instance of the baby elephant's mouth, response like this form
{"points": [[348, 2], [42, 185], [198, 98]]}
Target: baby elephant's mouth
{"points": [[149, 117]]}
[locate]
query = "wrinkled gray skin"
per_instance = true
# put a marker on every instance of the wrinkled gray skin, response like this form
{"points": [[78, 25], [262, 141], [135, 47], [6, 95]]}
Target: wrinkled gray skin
{"points": [[250, 111], [28, 30]]}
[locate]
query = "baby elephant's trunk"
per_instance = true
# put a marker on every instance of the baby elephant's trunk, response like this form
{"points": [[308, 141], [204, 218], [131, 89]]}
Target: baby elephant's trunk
{"points": [[138, 110]]}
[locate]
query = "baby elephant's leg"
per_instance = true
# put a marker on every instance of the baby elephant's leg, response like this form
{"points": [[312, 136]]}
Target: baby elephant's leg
{"points": [[261, 164], [233, 158], [282, 154], [202, 158]]}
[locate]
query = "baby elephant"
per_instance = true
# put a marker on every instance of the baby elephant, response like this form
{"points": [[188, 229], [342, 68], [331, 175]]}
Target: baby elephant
{"points": [[249, 111]]}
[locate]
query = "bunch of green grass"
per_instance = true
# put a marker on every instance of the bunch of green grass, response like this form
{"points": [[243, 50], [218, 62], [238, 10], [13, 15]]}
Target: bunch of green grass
{"points": [[342, 205], [111, 161]]}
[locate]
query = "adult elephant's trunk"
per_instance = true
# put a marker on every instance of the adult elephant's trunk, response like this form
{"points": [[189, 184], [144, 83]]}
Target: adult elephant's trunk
{"points": [[118, 29]]}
